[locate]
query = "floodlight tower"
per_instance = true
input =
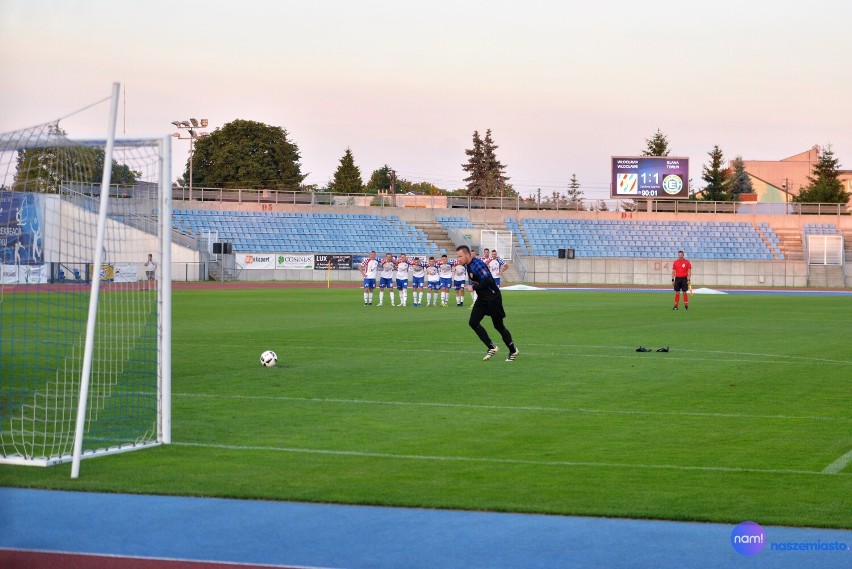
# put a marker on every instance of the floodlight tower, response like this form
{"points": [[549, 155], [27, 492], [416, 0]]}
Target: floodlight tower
{"points": [[190, 127]]}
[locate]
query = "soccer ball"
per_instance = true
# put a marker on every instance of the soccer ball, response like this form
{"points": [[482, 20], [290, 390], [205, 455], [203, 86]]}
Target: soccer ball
{"points": [[268, 358]]}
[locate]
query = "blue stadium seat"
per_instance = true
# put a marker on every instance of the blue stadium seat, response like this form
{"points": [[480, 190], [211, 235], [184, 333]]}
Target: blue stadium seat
{"points": [[306, 233], [644, 239]]}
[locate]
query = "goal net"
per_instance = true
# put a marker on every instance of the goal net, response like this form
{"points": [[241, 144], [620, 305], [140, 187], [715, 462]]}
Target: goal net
{"points": [[53, 348]]}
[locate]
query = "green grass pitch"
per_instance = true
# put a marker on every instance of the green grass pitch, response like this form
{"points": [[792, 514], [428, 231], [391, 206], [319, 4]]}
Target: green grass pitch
{"points": [[394, 406]]}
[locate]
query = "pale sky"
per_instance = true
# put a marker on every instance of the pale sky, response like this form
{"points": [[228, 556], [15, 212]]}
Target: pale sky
{"points": [[562, 85]]}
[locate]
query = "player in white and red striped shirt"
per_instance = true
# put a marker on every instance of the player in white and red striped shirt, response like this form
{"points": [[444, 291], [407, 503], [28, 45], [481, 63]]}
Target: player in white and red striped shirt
{"points": [[459, 282], [445, 270], [386, 278], [418, 276], [368, 271], [433, 282], [497, 266], [402, 267]]}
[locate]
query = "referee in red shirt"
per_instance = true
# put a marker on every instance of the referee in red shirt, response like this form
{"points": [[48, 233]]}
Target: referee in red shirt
{"points": [[681, 277]]}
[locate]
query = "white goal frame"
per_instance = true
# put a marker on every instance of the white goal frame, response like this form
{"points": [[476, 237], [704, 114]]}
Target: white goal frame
{"points": [[159, 160]]}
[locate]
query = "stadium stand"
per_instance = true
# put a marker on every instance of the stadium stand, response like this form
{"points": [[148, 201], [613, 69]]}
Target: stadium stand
{"points": [[305, 233], [348, 233], [647, 239], [512, 225]]}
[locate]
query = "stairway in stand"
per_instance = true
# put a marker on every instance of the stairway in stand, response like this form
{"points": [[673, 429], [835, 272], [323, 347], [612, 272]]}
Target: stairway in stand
{"points": [[826, 276], [791, 243], [437, 234]]}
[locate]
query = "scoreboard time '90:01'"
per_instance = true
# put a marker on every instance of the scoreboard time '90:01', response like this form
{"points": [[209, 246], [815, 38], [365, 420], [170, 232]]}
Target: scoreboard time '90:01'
{"points": [[650, 177]]}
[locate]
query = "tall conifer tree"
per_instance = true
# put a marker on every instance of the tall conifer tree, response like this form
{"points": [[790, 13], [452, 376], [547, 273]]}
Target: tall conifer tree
{"points": [[486, 177], [347, 177], [740, 180], [716, 177], [825, 185], [574, 194]]}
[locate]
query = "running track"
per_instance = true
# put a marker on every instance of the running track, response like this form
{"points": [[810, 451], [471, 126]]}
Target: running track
{"points": [[57, 530]]}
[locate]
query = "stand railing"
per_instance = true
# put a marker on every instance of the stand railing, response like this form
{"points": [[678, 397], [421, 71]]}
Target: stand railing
{"points": [[516, 203]]}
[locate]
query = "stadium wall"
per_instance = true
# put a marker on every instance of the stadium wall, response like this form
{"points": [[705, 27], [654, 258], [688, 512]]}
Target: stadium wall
{"points": [[305, 275], [600, 271], [63, 217], [657, 272]]}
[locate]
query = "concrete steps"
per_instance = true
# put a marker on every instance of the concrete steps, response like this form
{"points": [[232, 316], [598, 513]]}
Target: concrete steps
{"points": [[511, 276], [436, 234], [223, 268], [826, 276], [791, 243]]}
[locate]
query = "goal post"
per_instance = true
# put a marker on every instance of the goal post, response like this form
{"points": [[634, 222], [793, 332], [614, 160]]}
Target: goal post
{"points": [[500, 241], [85, 336]]}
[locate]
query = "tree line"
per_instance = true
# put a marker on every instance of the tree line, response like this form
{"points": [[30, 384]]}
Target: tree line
{"points": [[252, 155]]}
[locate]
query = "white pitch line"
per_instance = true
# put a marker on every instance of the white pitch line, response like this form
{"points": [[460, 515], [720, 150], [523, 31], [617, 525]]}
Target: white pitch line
{"points": [[502, 407], [703, 351], [510, 461], [779, 359], [839, 464]]}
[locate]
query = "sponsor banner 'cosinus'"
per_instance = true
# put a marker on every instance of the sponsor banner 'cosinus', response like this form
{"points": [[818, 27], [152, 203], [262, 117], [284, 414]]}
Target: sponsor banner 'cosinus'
{"points": [[294, 261]]}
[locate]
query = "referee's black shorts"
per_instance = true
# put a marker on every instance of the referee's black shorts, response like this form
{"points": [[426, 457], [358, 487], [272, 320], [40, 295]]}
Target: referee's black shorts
{"points": [[488, 305], [681, 284]]}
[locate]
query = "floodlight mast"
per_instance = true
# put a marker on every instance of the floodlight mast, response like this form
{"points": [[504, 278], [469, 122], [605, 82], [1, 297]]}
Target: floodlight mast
{"points": [[190, 127]]}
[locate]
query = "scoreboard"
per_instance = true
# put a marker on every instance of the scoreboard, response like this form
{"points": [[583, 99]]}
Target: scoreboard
{"points": [[650, 177]]}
